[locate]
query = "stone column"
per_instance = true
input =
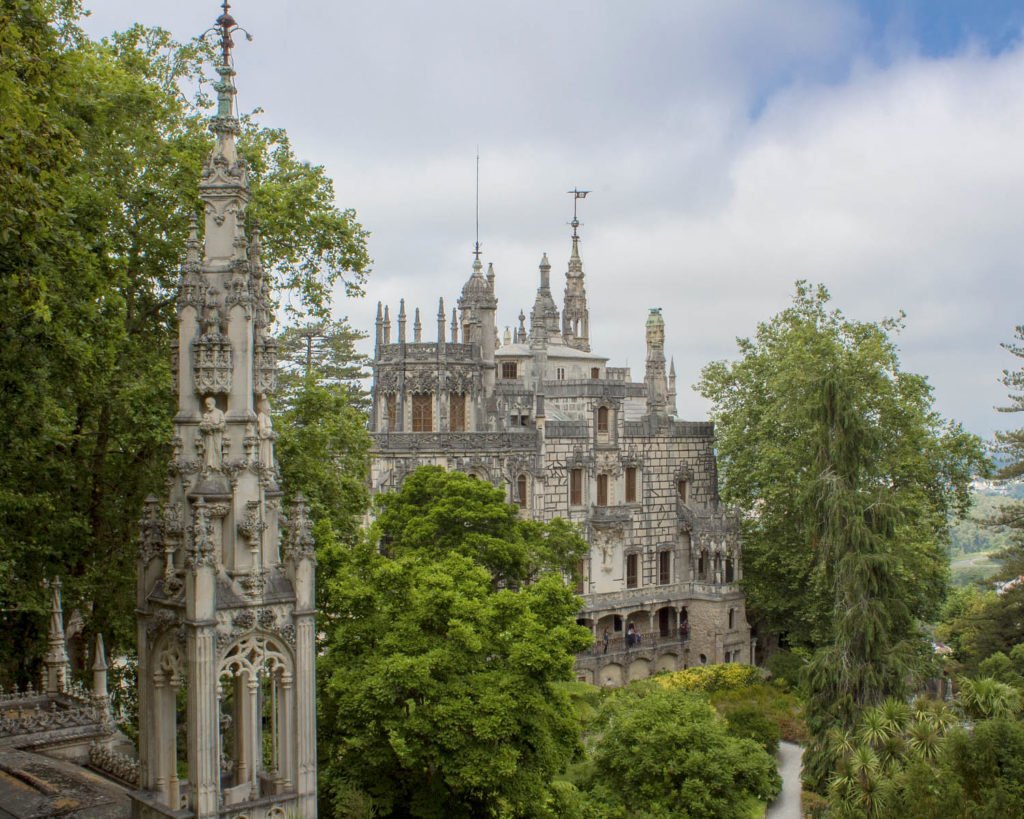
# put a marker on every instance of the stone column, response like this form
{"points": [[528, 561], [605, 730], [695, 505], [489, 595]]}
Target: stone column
{"points": [[287, 730], [173, 784], [255, 734], [242, 742], [159, 765]]}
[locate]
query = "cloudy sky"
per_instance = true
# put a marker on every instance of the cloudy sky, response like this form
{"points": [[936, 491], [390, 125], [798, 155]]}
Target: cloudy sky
{"points": [[732, 147]]}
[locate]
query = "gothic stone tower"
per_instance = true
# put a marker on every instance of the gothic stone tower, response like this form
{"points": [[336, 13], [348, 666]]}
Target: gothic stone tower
{"points": [[225, 625]]}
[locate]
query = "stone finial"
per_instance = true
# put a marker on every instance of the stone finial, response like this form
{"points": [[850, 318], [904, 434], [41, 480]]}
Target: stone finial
{"points": [[417, 328], [440, 320], [455, 326], [387, 324], [99, 670], [401, 321], [56, 661], [490, 275]]}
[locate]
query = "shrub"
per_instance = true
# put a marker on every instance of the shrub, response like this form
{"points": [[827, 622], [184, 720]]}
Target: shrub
{"points": [[750, 722], [711, 678], [782, 707]]}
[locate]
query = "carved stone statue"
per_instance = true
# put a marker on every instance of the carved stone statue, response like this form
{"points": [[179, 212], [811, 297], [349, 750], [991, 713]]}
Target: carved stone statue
{"points": [[211, 320], [265, 430], [212, 427]]}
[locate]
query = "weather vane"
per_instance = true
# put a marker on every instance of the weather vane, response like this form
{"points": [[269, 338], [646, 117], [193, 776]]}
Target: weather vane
{"points": [[225, 27], [577, 196]]}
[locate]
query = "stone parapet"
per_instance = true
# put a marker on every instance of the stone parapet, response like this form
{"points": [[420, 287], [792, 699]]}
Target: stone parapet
{"points": [[394, 442], [424, 351]]}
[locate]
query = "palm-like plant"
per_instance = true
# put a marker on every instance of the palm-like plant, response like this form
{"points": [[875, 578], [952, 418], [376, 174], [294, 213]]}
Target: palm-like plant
{"points": [[986, 698]]}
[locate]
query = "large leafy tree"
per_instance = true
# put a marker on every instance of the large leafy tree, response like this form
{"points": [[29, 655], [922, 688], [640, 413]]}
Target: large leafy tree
{"points": [[449, 635], [767, 410], [100, 155], [1010, 446]]}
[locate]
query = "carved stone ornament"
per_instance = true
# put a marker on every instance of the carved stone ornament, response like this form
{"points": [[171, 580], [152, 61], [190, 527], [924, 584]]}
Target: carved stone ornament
{"points": [[211, 365], [421, 380], [151, 531], [299, 543], [387, 380], [265, 375], [201, 545]]}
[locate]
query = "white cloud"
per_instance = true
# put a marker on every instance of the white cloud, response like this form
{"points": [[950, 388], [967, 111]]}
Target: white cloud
{"points": [[733, 147]]}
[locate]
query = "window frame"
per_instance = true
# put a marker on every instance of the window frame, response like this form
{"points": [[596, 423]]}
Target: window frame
{"points": [[422, 421], [576, 487]]}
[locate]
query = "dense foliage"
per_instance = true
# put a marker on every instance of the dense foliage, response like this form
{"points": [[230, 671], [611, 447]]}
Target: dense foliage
{"points": [[767, 411], [101, 146], [1010, 446], [663, 751], [450, 631]]}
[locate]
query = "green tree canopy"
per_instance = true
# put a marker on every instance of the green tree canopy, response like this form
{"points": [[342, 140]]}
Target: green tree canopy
{"points": [[440, 692], [663, 752], [764, 407]]}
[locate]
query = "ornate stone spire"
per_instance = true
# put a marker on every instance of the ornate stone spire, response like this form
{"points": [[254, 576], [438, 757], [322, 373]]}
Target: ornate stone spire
{"points": [[216, 604], [99, 675], [544, 316], [401, 321], [387, 324], [417, 327], [654, 374], [672, 388], [440, 320], [56, 661], [576, 315]]}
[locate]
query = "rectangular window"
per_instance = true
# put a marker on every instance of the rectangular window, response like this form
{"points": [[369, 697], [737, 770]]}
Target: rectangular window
{"points": [[457, 411], [602, 490], [664, 567], [576, 487], [560, 373], [602, 419], [630, 484], [682, 491], [595, 372], [580, 577], [423, 412], [508, 369], [521, 491], [632, 563], [391, 404]]}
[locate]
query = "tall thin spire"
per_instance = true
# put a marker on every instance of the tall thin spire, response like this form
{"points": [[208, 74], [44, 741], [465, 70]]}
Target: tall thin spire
{"points": [[575, 314], [56, 661]]}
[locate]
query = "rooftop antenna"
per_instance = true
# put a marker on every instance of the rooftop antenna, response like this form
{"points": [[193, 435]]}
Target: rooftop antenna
{"points": [[577, 194], [476, 245]]}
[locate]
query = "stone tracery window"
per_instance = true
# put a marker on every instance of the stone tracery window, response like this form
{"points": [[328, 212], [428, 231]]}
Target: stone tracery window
{"points": [[257, 703], [422, 412], [457, 411], [391, 410]]}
